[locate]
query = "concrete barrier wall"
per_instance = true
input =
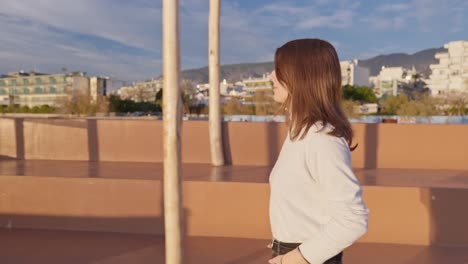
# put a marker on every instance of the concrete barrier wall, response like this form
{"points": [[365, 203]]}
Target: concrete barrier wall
{"points": [[400, 215], [380, 145]]}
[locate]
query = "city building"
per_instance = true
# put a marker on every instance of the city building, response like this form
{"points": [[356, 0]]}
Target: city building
{"points": [[374, 81], [98, 86], [390, 79], [451, 73], [370, 108], [224, 87], [353, 74], [203, 87], [252, 85], [143, 91], [37, 89]]}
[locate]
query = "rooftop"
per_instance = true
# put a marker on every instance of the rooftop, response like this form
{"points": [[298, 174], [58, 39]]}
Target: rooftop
{"points": [[90, 191]]}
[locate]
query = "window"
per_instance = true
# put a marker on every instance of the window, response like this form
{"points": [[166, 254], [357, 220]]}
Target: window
{"points": [[59, 89], [2, 83], [52, 90], [38, 81], [2, 91], [26, 91], [13, 82], [38, 90], [25, 81], [52, 80]]}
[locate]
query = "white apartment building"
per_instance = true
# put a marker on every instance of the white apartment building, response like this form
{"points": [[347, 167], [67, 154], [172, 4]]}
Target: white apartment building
{"points": [[389, 78], [224, 86], [353, 74], [98, 86], [37, 89], [143, 91], [251, 85], [451, 73]]}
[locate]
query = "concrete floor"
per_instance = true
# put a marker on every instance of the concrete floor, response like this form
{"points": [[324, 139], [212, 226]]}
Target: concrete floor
{"points": [[56, 247], [205, 172], [19, 246]]}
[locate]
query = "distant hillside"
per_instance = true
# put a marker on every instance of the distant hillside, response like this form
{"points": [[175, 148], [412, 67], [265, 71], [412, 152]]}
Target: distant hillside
{"points": [[420, 60], [235, 72], [232, 72]]}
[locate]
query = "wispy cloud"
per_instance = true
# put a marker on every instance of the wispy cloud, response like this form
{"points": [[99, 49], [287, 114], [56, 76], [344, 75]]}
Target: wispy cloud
{"points": [[27, 44], [394, 7], [123, 38], [423, 15], [339, 19], [84, 35], [378, 51], [310, 16], [380, 23], [129, 24], [285, 8]]}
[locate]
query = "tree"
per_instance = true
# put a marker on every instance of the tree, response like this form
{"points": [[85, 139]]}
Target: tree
{"points": [[457, 102], [235, 107], [349, 107], [79, 102], [142, 94], [116, 104], [11, 109], [24, 109], [427, 105], [361, 94], [264, 103], [392, 104], [35, 109], [45, 109], [188, 95], [424, 107]]}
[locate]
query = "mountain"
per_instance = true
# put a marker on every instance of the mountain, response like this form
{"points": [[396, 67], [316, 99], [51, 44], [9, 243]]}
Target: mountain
{"points": [[232, 72], [420, 60], [235, 72]]}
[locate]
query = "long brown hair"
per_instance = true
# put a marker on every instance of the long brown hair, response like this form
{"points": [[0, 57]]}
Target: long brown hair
{"points": [[310, 70]]}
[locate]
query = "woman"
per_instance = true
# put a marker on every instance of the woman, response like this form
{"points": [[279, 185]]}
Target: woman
{"points": [[316, 208]]}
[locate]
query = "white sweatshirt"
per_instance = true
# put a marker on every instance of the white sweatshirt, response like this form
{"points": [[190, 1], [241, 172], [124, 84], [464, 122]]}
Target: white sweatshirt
{"points": [[315, 197]]}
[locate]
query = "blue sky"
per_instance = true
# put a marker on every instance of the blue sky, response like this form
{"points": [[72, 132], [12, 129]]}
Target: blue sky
{"points": [[122, 38]]}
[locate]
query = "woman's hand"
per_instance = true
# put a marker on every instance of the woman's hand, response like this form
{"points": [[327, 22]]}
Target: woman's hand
{"points": [[276, 260], [293, 257]]}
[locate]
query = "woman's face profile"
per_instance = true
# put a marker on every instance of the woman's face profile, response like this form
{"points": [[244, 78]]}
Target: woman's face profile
{"points": [[280, 93]]}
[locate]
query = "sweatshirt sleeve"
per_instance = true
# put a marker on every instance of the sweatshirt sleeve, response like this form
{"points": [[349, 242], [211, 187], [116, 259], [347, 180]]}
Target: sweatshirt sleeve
{"points": [[329, 160]]}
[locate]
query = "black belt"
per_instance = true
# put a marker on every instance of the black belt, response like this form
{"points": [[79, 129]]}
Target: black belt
{"points": [[283, 248], [286, 245]]}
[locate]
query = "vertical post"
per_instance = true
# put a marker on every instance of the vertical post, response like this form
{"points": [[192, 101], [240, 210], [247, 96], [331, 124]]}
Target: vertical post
{"points": [[171, 123], [216, 146]]}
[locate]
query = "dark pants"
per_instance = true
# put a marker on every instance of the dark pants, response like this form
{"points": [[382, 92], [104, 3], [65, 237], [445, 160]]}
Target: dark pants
{"points": [[280, 248]]}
